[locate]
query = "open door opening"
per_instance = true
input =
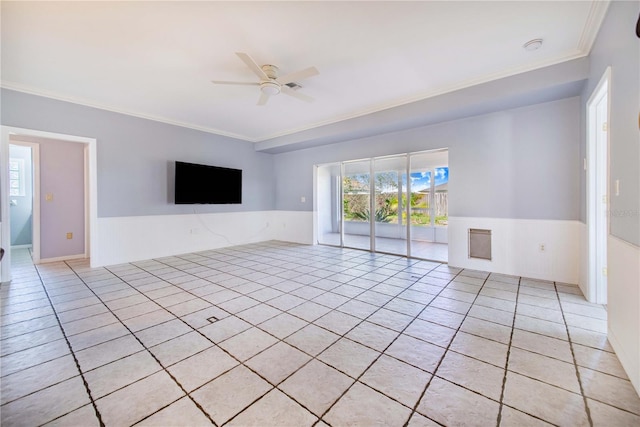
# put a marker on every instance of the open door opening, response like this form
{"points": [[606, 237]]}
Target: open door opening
{"points": [[22, 194]]}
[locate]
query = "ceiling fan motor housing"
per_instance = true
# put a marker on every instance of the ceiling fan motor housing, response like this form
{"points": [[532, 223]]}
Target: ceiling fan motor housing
{"points": [[270, 70], [270, 87]]}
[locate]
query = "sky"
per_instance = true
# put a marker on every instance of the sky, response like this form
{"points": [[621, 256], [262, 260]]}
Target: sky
{"points": [[422, 180]]}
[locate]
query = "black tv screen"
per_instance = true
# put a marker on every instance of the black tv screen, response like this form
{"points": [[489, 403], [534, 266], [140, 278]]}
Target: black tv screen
{"points": [[202, 184]]}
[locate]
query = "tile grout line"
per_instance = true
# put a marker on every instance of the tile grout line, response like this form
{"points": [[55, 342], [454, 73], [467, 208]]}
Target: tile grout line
{"points": [[332, 309], [75, 359], [312, 357], [506, 362], [150, 353], [309, 322], [232, 314], [244, 262], [240, 363], [399, 333], [435, 370], [573, 355]]}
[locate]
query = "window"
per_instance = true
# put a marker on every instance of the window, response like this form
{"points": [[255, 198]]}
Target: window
{"points": [[16, 177]]}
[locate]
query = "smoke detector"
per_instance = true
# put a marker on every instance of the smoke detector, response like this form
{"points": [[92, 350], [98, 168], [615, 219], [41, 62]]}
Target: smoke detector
{"points": [[532, 45]]}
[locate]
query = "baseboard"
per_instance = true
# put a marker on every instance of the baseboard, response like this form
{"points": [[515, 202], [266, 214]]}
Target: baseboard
{"points": [[21, 246], [61, 258]]}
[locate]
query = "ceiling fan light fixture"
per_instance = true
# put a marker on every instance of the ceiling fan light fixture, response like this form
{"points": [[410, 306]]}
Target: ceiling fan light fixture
{"points": [[270, 88]]}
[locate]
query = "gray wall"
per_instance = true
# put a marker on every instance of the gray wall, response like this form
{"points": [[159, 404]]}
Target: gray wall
{"points": [[21, 213], [135, 155], [617, 46], [522, 163]]}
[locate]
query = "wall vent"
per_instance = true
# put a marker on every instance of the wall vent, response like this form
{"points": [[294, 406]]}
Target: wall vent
{"points": [[480, 243]]}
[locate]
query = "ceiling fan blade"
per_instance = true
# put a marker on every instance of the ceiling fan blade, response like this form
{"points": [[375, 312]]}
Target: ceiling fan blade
{"points": [[298, 75], [224, 82], [252, 64], [302, 97], [263, 99]]}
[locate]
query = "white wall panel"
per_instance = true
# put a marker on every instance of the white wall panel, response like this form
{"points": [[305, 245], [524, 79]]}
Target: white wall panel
{"points": [[623, 305], [516, 247], [134, 238]]}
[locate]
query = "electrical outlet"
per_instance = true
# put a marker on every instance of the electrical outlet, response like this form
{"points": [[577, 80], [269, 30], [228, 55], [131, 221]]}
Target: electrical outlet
{"points": [[69, 236], [303, 199], [542, 248]]}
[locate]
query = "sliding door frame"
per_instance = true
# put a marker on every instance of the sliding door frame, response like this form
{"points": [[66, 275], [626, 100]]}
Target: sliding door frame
{"points": [[372, 198]]}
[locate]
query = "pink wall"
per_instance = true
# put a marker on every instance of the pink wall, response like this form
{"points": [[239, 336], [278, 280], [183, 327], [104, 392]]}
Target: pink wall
{"points": [[62, 176]]}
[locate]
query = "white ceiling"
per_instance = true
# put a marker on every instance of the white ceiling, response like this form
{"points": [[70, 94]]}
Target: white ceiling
{"points": [[156, 59]]}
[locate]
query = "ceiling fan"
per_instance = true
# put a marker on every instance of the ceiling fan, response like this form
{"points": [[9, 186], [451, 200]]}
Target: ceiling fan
{"points": [[270, 84]]}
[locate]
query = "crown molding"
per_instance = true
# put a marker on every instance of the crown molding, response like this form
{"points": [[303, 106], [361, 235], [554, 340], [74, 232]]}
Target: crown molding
{"points": [[431, 94], [597, 12], [375, 109], [80, 101]]}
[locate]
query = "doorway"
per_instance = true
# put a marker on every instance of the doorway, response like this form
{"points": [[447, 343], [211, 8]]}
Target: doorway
{"points": [[598, 188], [89, 178]]}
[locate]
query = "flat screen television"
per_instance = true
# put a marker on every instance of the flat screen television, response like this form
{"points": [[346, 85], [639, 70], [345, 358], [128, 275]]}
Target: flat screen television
{"points": [[203, 184]]}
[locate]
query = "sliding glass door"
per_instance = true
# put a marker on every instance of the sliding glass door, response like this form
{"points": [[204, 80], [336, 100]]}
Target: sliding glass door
{"points": [[395, 204], [390, 192], [328, 199], [356, 204], [429, 205]]}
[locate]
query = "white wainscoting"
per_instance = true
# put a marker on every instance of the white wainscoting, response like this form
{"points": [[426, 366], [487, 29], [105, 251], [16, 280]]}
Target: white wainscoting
{"points": [[4, 273], [135, 238], [623, 305], [515, 242], [583, 272], [293, 226], [516, 247]]}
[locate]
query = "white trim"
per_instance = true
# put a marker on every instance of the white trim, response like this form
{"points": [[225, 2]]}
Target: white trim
{"points": [[407, 205], [5, 235], [422, 96], [593, 205], [80, 101], [597, 12], [21, 246], [87, 206], [91, 144], [61, 258], [315, 205]]}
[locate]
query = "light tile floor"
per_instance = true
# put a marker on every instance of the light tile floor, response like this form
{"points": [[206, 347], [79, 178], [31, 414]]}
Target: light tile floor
{"points": [[276, 334]]}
